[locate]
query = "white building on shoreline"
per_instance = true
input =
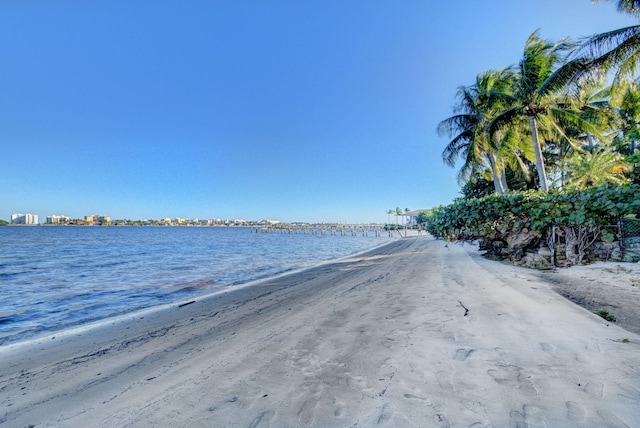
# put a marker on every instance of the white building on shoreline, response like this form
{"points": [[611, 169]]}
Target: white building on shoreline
{"points": [[58, 219], [24, 219]]}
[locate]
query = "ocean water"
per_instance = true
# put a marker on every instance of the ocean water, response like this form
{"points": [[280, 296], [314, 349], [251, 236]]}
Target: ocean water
{"points": [[52, 278]]}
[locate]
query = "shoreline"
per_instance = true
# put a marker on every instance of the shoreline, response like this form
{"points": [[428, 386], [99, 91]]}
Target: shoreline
{"points": [[376, 338], [80, 289], [96, 324]]}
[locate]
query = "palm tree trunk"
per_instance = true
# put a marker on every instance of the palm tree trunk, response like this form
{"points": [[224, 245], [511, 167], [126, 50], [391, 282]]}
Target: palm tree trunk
{"points": [[592, 143], [542, 175], [497, 185], [496, 175], [503, 180]]}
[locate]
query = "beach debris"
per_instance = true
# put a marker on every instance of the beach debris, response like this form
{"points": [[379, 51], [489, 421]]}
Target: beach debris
{"points": [[606, 315], [466, 310], [185, 304], [623, 340]]}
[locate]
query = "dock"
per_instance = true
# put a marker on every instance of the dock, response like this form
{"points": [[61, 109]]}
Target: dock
{"points": [[334, 229]]}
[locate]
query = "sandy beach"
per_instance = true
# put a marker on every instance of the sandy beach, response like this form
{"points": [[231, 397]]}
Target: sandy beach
{"points": [[416, 333]]}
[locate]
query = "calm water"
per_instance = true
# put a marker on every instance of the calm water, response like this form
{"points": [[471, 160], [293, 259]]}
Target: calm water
{"points": [[52, 278]]}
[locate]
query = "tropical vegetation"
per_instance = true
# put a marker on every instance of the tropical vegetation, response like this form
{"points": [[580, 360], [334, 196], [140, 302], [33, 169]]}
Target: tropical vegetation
{"points": [[549, 145]]}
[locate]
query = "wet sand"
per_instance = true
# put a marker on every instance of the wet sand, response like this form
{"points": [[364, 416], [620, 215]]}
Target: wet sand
{"points": [[415, 333]]}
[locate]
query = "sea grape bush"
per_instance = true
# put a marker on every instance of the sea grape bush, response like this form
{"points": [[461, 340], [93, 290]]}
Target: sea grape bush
{"points": [[532, 213]]}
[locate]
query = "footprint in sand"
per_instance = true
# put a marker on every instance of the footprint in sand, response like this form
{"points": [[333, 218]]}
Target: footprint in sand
{"points": [[575, 412], [388, 342], [516, 419], [547, 370], [306, 414], [385, 415], [463, 353], [417, 398], [547, 347], [339, 406], [530, 417], [512, 376], [263, 418], [594, 388], [582, 358]]}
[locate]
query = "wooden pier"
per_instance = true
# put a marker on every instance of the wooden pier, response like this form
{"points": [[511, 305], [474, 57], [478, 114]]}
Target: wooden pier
{"points": [[334, 230]]}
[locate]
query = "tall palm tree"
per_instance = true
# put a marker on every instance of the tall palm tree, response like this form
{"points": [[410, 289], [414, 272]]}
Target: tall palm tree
{"points": [[539, 95], [471, 138], [464, 126]]}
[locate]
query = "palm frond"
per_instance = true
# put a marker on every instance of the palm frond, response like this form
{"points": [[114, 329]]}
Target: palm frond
{"points": [[564, 75], [456, 146], [632, 7], [504, 119], [598, 45], [455, 124]]}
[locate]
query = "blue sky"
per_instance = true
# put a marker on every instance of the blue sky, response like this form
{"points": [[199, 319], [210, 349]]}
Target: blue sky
{"points": [[290, 110]]}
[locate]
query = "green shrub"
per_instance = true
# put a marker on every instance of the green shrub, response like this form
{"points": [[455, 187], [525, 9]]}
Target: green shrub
{"points": [[498, 217]]}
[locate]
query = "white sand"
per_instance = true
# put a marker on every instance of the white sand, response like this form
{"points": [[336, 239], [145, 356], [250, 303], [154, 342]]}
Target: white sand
{"points": [[602, 286], [378, 339]]}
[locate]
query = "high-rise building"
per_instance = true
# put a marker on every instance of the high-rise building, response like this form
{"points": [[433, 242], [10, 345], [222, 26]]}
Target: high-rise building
{"points": [[58, 219], [24, 219]]}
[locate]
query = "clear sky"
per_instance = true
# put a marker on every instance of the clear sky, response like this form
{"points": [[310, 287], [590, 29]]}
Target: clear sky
{"points": [[291, 110]]}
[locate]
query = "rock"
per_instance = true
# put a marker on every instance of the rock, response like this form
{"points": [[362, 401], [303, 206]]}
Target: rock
{"points": [[545, 252], [535, 261], [519, 242]]}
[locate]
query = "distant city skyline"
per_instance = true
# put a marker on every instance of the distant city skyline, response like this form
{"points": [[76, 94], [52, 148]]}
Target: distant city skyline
{"points": [[299, 111], [30, 218], [61, 219]]}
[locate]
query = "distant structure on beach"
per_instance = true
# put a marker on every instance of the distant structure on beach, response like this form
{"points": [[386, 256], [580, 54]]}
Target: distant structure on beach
{"points": [[58, 219], [97, 219], [24, 219], [411, 217]]}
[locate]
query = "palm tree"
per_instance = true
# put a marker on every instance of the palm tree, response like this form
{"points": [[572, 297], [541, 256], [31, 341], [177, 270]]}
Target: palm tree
{"points": [[472, 140], [398, 212], [601, 166], [463, 127], [539, 95], [591, 98], [389, 217], [628, 120]]}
